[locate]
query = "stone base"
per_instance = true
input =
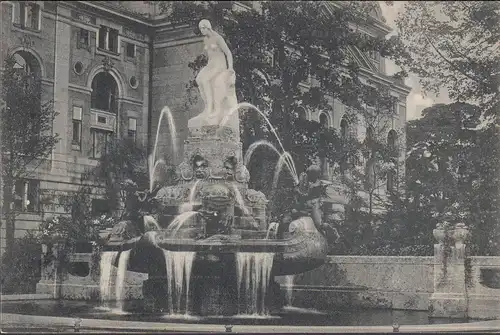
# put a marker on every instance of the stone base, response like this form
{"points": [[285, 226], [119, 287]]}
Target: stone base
{"points": [[484, 306], [84, 291], [448, 305], [331, 298]]}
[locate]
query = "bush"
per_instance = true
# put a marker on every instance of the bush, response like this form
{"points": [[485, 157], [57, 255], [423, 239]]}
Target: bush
{"points": [[21, 269]]}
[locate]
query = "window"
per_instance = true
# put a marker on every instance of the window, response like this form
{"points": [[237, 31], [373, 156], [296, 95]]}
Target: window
{"points": [[26, 15], [323, 120], [395, 108], [108, 39], [27, 195], [100, 142], [83, 39], [104, 91], [344, 129], [132, 128], [77, 125], [130, 50]]}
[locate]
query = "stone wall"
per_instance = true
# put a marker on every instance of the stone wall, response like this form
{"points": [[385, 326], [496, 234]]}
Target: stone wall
{"points": [[366, 281]]}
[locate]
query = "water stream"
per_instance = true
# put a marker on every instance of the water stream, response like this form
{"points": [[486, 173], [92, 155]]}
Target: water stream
{"points": [[178, 266], [253, 275], [106, 270], [120, 279]]}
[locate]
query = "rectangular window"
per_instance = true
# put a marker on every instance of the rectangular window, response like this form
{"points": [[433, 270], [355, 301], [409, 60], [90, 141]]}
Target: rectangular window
{"points": [[103, 37], [26, 15], [100, 142], [27, 195], [83, 38], [108, 39], [113, 40], [130, 50], [32, 16], [132, 128], [77, 125], [33, 196], [17, 13]]}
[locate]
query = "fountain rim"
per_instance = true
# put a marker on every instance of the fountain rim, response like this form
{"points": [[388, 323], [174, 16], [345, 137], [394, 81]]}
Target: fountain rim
{"points": [[21, 320]]}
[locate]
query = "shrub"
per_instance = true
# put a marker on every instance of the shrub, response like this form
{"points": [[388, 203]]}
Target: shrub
{"points": [[21, 269]]}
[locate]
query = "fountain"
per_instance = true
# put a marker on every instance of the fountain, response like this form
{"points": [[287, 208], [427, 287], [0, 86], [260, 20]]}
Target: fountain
{"points": [[209, 249]]}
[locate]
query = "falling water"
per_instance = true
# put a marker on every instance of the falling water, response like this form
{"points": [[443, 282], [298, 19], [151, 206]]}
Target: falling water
{"points": [[239, 200], [273, 226], [249, 105], [178, 266], [106, 267], [179, 220], [254, 270], [120, 278], [254, 146], [152, 177], [289, 289], [150, 221], [173, 134], [279, 167]]}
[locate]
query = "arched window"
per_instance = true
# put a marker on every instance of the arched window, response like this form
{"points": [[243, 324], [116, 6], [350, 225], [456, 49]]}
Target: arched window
{"points": [[26, 63], [104, 93], [323, 120], [26, 67]]}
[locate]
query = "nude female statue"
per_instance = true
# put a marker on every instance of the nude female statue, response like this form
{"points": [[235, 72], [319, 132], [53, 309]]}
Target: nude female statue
{"points": [[216, 80]]}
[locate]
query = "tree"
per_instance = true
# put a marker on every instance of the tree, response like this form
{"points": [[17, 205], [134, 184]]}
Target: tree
{"points": [[454, 45], [124, 161], [27, 138], [452, 171], [280, 47]]}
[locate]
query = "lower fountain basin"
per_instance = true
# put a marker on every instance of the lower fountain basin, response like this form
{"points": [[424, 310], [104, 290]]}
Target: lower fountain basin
{"points": [[288, 317], [301, 249]]}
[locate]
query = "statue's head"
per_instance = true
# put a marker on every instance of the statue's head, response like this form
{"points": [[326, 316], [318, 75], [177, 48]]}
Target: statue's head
{"points": [[205, 26]]}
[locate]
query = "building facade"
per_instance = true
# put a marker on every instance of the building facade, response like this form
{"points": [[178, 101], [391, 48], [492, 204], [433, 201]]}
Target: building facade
{"points": [[110, 67]]}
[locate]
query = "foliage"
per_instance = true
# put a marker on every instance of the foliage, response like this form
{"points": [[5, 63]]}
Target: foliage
{"points": [[452, 172], [26, 134], [454, 45], [21, 269], [122, 167]]}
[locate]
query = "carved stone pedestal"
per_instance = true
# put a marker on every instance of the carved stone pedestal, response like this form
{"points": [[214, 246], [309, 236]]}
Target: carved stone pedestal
{"points": [[449, 298]]}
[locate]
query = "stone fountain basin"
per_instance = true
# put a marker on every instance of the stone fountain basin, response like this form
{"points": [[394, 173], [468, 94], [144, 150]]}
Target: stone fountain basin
{"points": [[295, 253]]}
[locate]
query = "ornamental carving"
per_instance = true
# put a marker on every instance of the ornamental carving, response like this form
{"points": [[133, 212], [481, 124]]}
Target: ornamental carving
{"points": [[256, 197], [242, 175], [26, 42], [186, 171], [108, 63]]}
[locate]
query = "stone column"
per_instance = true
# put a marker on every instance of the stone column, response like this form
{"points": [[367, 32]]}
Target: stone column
{"points": [[449, 298], [61, 94], [52, 276]]}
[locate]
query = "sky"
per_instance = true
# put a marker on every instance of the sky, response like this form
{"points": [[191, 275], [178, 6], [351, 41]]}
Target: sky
{"points": [[417, 100]]}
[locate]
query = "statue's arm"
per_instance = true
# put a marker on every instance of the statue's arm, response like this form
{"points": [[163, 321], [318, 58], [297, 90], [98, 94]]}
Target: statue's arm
{"points": [[223, 46]]}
